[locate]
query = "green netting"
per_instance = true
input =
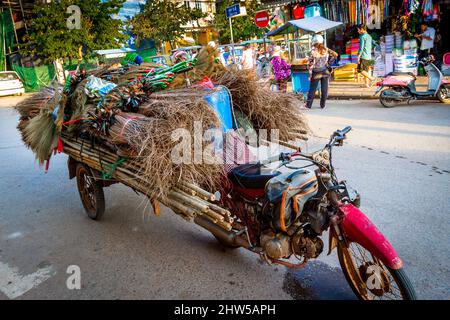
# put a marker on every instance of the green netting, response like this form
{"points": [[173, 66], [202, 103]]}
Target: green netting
{"points": [[35, 78], [6, 37], [87, 64], [146, 52]]}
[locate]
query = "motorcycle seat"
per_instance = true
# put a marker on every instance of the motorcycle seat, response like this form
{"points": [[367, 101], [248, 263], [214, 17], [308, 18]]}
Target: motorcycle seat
{"points": [[249, 176], [397, 73]]}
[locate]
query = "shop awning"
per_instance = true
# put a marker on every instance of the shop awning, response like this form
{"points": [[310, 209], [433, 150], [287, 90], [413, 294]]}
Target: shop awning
{"points": [[308, 25]]}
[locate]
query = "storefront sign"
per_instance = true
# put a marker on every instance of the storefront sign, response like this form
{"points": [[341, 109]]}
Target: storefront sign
{"points": [[233, 11]]}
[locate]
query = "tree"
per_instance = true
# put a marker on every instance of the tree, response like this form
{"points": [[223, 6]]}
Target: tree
{"points": [[244, 27], [163, 20], [50, 38]]}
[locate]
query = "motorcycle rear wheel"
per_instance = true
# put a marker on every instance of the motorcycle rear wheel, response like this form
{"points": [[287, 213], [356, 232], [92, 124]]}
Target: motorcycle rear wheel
{"points": [[377, 283], [443, 94], [386, 101]]}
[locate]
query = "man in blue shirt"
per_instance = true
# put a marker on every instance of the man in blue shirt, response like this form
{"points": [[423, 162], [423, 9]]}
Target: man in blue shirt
{"points": [[365, 55]]}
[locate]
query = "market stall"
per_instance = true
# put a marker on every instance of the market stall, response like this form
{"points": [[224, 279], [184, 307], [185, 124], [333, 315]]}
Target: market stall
{"points": [[298, 53]]}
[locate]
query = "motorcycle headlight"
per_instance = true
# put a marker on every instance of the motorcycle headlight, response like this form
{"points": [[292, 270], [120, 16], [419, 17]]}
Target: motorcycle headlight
{"points": [[354, 196]]}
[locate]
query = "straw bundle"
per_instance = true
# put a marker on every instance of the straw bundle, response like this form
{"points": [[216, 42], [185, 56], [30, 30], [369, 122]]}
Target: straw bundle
{"points": [[156, 144], [40, 134], [31, 106], [265, 109], [127, 125]]}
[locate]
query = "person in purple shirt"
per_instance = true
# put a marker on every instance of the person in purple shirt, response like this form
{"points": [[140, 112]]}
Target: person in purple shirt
{"points": [[281, 69]]}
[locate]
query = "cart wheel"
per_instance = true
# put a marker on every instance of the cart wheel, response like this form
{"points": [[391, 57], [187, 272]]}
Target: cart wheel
{"points": [[91, 192]]}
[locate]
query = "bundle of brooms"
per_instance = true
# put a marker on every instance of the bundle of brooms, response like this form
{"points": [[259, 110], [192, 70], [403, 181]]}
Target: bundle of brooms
{"points": [[135, 148]]}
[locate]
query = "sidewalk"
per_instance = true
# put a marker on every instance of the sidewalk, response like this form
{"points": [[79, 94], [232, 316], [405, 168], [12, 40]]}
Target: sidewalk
{"points": [[11, 101], [355, 90]]}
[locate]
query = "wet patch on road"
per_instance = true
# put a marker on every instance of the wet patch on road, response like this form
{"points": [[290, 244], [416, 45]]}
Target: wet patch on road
{"points": [[317, 281], [433, 168]]}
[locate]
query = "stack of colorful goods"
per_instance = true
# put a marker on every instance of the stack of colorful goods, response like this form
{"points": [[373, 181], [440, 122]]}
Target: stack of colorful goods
{"points": [[344, 59], [345, 73], [398, 42], [351, 49], [389, 43], [407, 61]]}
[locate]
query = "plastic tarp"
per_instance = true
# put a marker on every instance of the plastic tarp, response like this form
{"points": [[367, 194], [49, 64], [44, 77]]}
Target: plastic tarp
{"points": [[35, 78], [6, 37], [307, 25], [99, 86]]}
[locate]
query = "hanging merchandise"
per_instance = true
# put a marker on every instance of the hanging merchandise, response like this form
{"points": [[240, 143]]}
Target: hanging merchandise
{"points": [[427, 7], [386, 9], [436, 12], [277, 19], [313, 10], [299, 12], [430, 12], [410, 6], [336, 10]]}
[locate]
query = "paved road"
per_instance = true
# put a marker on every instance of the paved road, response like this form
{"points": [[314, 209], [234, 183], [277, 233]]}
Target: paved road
{"points": [[397, 158]]}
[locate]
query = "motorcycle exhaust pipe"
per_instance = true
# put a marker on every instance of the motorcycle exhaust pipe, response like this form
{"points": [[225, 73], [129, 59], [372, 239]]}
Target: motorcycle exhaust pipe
{"points": [[227, 237]]}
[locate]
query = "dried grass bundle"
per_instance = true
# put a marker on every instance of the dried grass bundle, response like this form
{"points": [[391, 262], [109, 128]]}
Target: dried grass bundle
{"points": [[265, 109], [126, 125], [136, 71], [206, 66], [40, 134], [31, 106], [156, 145]]}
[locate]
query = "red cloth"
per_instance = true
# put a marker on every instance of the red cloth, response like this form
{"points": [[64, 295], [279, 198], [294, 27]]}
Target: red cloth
{"points": [[235, 152], [299, 12]]}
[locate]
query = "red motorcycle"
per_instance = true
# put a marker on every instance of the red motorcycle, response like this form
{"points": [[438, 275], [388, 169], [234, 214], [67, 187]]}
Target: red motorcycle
{"points": [[282, 215], [279, 214]]}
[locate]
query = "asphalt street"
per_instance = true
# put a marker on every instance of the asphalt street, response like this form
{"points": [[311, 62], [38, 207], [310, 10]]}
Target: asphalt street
{"points": [[398, 159]]}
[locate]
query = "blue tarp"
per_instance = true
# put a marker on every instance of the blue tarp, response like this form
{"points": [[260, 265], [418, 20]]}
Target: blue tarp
{"points": [[307, 25]]}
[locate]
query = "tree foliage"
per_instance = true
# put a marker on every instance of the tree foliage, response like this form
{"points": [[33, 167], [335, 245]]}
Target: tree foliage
{"points": [[50, 38], [163, 21], [244, 27]]}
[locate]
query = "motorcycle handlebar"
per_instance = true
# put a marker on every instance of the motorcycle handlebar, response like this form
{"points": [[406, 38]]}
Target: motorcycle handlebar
{"points": [[287, 157], [344, 131]]}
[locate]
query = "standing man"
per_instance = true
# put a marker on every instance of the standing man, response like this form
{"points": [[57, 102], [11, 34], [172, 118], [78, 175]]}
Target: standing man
{"points": [[365, 55], [248, 61], [227, 57], [426, 38]]}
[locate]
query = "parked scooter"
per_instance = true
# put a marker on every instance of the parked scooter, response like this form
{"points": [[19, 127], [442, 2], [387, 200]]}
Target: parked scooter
{"points": [[399, 87]]}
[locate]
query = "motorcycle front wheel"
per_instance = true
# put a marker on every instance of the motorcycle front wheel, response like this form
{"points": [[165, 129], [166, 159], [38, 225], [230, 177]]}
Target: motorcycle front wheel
{"points": [[443, 94], [370, 279]]}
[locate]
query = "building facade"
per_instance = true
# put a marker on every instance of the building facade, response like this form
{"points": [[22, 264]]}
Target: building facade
{"points": [[201, 31]]}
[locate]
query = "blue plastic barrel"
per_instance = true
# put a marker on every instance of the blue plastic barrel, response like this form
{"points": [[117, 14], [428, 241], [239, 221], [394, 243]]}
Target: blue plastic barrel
{"points": [[220, 101], [300, 82]]}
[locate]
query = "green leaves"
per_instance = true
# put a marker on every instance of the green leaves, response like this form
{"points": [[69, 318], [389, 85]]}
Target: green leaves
{"points": [[244, 27], [50, 38], [163, 20]]}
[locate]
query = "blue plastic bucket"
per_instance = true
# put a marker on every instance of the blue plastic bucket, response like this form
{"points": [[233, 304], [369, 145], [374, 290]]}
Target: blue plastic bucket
{"points": [[300, 82], [220, 101]]}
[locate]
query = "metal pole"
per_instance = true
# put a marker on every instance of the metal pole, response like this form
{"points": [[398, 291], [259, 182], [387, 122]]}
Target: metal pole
{"points": [[14, 25], [232, 41], [23, 17], [231, 30], [4, 39]]}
